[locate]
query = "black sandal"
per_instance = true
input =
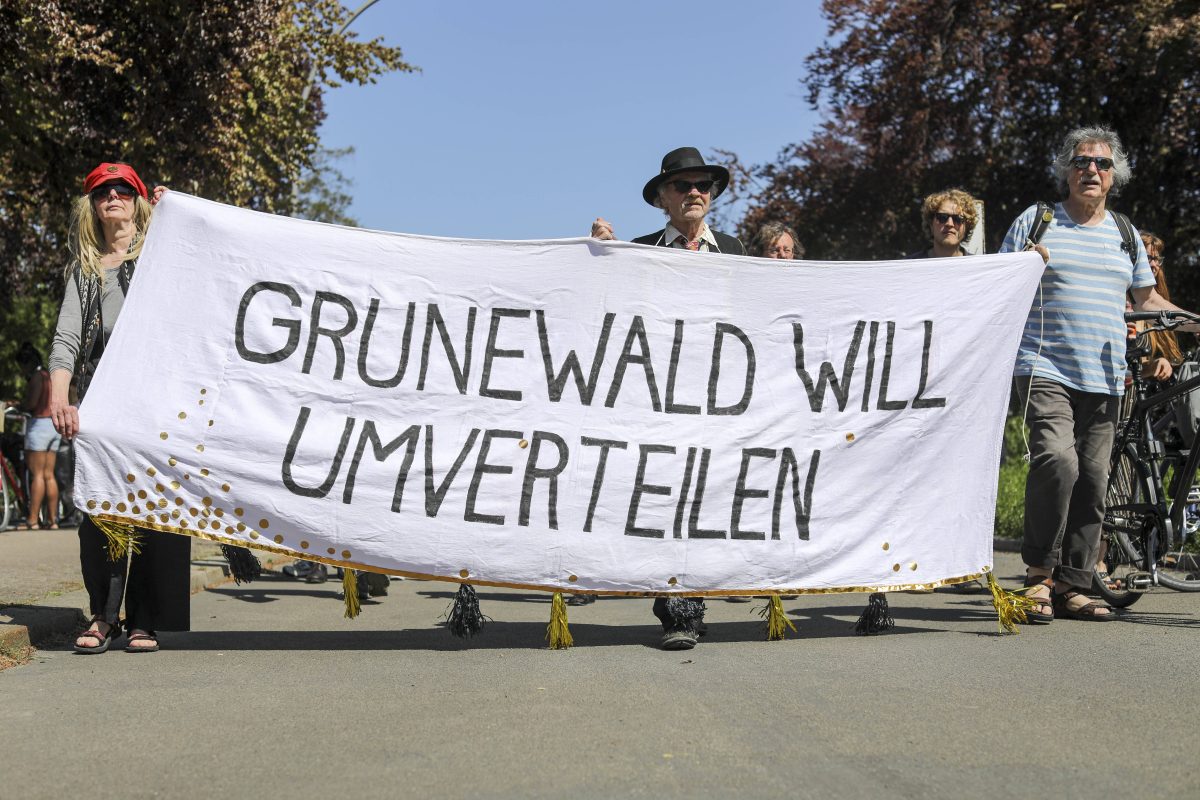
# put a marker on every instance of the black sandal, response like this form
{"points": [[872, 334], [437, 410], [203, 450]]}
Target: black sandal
{"points": [[1038, 617], [1086, 613], [142, 637], [103, 639]]}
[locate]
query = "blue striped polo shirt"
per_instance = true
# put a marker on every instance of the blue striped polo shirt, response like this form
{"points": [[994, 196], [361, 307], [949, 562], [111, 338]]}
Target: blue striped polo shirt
{"points": [[1077, 316]]}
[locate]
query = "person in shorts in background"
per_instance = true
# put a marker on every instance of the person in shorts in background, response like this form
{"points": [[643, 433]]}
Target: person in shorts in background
{"points": [[41, 439]]}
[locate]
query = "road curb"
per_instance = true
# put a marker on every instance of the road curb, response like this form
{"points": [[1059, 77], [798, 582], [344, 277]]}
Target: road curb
{"points": [[26, 625]]}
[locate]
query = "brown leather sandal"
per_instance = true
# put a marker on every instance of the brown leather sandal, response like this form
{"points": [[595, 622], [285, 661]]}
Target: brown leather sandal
{"points": [[1039, 616], [1087, 613], [142, 637], [103, 640]]}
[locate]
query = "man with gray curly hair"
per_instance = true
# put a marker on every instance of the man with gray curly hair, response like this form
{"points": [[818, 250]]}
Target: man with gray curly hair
{"points": [[1070, 370]]}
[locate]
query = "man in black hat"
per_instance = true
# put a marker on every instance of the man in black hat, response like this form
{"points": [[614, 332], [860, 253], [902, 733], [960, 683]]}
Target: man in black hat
{"points": [[684, 189]]}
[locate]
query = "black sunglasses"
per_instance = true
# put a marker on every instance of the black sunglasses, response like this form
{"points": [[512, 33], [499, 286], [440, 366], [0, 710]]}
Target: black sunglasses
{"points": [[1102, 164], [683, 187], [122, 190], [943, 218]]}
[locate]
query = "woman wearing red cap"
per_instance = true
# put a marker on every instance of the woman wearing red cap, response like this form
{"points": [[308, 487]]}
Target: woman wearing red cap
{"points": [[108, 226]]}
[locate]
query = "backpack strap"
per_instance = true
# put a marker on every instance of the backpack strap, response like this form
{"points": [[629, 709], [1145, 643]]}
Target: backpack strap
{"points": [[1041, 223], [1128, 239]]}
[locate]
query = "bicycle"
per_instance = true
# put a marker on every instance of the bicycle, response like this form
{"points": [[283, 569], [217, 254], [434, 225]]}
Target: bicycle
{"points": [[14, 502], [1148, 535]]}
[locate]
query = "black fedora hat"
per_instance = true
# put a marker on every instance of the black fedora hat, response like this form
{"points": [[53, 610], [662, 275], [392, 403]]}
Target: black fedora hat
{"points": [[685, 159]]}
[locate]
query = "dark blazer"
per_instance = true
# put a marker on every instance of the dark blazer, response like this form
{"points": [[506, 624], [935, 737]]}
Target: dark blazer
{"points": [[726, 243]]}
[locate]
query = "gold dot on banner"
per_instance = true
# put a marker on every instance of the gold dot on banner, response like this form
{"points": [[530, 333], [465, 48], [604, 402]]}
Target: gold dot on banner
{"points": [[913, 566], [241, 526], [849, 437], [224, 487], [187, 477], [175, 513], [183, 523], [121, 507], [886, 546], [136, 509], [330, 551], [220, 512], [162, 502], [463, 573], [175, 485], [278, 539], [572, 578], [204, 472], [229, 529], [253, 535], [264, 524], [303, 545], [216, 526], [129, 497], [151, 471], [91, 504], [239, 511], [207, 501], [345, 554], [163, 436], [142, 493], [158, 487], [163, 518], [200, 403], [106, 505], [672, 581], [523, 444], [172, 461], [210, 423], [205, 512], [200, 449], [130, 478], [183, 415], [150, 518], [895, 567], [204, 391], [178, 501], [193, 511]]}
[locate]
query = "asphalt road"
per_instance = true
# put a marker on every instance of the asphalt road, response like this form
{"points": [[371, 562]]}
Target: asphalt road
{"points": [[274, 694]]}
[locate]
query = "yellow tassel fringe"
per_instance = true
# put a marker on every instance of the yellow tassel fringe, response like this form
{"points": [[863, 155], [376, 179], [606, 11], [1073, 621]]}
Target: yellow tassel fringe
{"points": [[557, 632], [777, 621], [122, 538], [350, 590], [1011, 607]]}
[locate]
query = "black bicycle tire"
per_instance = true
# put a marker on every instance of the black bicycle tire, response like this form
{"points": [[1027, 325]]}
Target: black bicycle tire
{"points": [[1121, 557]]}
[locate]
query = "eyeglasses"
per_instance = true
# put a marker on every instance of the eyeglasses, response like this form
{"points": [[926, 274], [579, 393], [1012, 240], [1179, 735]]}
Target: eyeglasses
{"points": [[685, 187], [123, 190], [942, 218], [1102, 164]]}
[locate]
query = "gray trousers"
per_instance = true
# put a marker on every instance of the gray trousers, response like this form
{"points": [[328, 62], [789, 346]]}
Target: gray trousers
{"points": [[1070, 442]]}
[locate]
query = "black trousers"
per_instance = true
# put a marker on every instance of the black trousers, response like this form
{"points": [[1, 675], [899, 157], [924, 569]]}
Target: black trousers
{"points": [[155, 583], [694, 613]]}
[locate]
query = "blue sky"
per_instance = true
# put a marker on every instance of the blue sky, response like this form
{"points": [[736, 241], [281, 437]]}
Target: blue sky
{"points": [[529, 119]]}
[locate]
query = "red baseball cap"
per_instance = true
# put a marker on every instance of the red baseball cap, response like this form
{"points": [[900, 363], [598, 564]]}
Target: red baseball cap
{"points": [[114, 172]]}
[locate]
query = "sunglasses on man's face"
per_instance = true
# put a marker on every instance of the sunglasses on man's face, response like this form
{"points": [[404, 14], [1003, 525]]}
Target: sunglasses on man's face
{"points": [[123, 190], [942, 218], [684, 187], [1102, 164]]}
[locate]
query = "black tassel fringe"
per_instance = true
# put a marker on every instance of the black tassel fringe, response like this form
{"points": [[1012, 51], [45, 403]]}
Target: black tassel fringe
{"points": [[244, 566], [463, 617], [877, 618]]}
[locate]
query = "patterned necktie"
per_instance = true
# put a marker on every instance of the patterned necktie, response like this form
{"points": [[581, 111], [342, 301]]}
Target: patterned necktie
{"points": [[694, 246]]}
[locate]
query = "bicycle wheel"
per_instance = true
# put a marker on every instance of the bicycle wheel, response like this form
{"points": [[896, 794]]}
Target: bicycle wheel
{"points": [[8, 503], [1120, 548], [1179, 561]]}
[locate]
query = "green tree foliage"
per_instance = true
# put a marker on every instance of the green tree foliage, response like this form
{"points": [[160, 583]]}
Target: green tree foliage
{"points": [[202, 97], [919, 95]]}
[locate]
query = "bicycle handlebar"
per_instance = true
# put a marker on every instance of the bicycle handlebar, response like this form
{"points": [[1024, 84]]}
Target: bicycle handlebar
{"points": [[1167, 319]]}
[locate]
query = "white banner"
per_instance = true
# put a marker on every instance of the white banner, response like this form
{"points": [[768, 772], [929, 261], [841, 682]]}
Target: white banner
{"points": [[569, 415]]}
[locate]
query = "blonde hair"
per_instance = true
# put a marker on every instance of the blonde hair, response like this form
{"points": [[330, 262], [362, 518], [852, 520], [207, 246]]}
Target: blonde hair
{"points": [[966, 207], [85, 241]]}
